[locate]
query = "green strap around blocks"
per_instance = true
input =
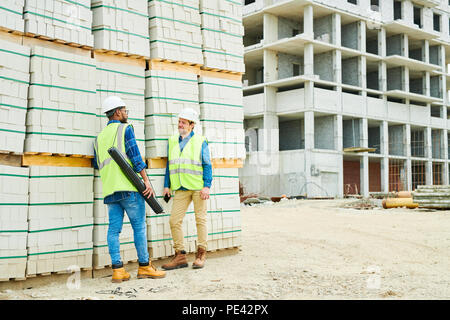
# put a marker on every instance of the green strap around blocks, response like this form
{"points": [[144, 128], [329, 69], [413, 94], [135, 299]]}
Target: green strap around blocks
{"points": [[220, 16], [223, 53], [176, 44], [219, 31], [194, 236], [120, 31], [120, 72], [62, 110], [61, 251], [120, 9], [171, 78], [220, 85], [123, 92], [13, 79], [12, 11], [175, 20], [61, 228], [13, 52], [59, 20], [62, 60], [175, 99], [175, 3]]}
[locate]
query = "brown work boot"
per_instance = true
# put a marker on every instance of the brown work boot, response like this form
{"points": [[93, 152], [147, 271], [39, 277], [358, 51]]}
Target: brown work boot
{"points": [[200, 258], [120, 275], [150, 272], [179, 261]]}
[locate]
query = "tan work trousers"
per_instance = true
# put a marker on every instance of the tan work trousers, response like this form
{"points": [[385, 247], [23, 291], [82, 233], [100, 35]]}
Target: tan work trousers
{"points": [[181, 202]]}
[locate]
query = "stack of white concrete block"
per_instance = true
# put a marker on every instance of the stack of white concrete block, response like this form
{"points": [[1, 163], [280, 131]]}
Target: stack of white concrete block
{"points": [[159, 236], [11, 12], [101, 255], [121, 25], [127, 82], [166, 94], [222, 32], [60, 219], [175, 30], [222, 117], [62, 103], [69, 21], [13, 221], [14, 82], [224, 214]]}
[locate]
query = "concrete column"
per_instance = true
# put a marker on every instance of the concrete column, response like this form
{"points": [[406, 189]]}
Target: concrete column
{"points": [[407, 143], [426, 51], [338, 142], [382, 75], [270, 28], [405, 82], [308, 21], [364, 162], [445, 170], [382, 42], [362, 36], [405, 46], [308, 59], [270, 66], [384, 147], [337, 66], [337, 29], [428, 154], [309, 131], [363, 72], [309, 146], [426, 85]]}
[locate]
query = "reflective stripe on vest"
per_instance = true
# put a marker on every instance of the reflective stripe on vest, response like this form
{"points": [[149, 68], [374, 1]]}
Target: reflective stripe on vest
{"points": [[113, 179], [185, 168]]}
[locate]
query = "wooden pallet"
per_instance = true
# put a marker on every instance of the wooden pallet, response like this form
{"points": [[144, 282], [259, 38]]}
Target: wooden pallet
{"points": [[12, 279], [10, 159], [120, 54], [118, 59], [56, 159], [55, 44], [221, 74], [178, 66], [59, 41]]}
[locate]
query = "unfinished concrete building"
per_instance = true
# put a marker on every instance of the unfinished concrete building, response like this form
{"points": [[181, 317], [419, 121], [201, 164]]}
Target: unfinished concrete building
{"points": [[345, 96]]}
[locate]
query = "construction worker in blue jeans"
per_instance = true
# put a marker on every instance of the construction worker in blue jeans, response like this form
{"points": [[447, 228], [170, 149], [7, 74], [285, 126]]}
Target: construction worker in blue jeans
{"points": [[119, 193]]}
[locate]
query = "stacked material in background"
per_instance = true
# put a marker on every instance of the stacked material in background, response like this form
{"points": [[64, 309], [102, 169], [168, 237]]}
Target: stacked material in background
{"points": [[13, 221], [60, 219], [67, 21], [222, 32], [14, 81], [11, 15], [433, 197], [121, 26], [222, 117], [159, 236], [62, 103], [224, 213], [175, 31], [101, 255], [127, 82], [166, 94]]}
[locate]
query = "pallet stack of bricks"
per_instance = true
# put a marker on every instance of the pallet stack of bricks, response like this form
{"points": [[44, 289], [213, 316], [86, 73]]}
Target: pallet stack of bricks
{"points": [[222, 33], [14, 81], [174, 30], [13, 221], [121, 26], [65, 21], [159, 236], [62, 102], [11, 12], [101, 257], [60, 219], [222, 116], [167, 92], [128, 82]]}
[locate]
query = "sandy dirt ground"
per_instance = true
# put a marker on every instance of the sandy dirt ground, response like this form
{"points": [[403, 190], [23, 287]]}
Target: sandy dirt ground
{"points": [[301, 249]]}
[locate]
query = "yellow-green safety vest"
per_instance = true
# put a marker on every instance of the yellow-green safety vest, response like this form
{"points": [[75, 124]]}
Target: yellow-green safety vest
{"points": [[113, 179], [185, 168]]}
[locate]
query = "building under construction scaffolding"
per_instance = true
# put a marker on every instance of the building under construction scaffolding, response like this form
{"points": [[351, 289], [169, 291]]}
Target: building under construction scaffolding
{"points": [[345, 96]]}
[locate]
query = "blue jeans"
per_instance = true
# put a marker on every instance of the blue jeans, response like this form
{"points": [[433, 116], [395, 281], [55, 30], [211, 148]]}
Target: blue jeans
{"points": [[134, 205]]}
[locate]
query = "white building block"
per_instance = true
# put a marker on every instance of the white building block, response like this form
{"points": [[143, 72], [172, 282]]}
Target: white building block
{"points": [[11, 15]]}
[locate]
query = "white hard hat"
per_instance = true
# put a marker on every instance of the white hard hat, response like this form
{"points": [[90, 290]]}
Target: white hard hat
{"points": [[189, 114], [112, 102]]}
